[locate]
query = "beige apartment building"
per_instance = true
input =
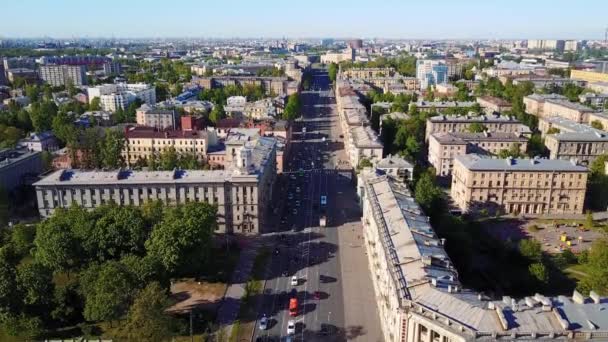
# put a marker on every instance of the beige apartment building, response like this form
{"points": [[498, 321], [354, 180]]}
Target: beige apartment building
{"points": [[443, 147], [492, 104], [556, 105], [461, 123], [158, 118], [242, 192], [558, 124], [367, 73], [419, 295], [583, 147], [141, 143], [589, 76], [601, 118], [518, 186]]}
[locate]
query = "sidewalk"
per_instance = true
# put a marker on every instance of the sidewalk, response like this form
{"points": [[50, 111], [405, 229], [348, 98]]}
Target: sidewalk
{"points": [[229, 309]]}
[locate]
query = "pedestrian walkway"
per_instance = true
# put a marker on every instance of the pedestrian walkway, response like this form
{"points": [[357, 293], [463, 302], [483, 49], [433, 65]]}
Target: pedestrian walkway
{"points": [[231, 302]]}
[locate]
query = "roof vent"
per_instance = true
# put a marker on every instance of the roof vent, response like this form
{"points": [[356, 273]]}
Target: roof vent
{"points": [[595, 297], [577, 297]]}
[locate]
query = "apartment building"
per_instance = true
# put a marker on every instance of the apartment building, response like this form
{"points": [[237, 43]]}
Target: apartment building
{"points": [[589, 76], [115, 96], [445, 146], [593, 99], [363, 143], [584, 147], [598, 118], [242, 193], [61, 75], [142, 143], [438, 106], [518, 186], [160, 119], [367, 73], [19, 167], [556, 105], [546, 44], [431, 72], [558, 124], [461, 123], [572, 45], [492, 104], [420, 298], [279, 86]]}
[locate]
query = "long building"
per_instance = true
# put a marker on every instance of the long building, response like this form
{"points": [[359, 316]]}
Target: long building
{"points": [[280, 86], [17, 167], [556, 105], [461, 123], [61, 75], [583, 147], [443, 147], [420, 298], [242, 192], [119, 96], [518, 186]]}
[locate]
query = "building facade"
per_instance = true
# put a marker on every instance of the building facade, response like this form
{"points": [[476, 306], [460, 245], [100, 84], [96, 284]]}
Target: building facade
{"points": [[241, 193], [518, 186], [444, 147], [62, 75], [431, 72], [18, 167], [118, 96], [160, 119], [461, 123]]}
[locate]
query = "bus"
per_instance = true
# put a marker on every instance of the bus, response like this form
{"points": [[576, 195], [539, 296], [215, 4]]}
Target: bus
{"points": [[293, 307]]}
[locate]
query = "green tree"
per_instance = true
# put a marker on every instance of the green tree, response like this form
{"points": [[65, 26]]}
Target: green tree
{"points": [[111, 149], [363, 163], [539, 271], [513, 152], [22, 238], [4, 207], [23, 326], [476, 127], [147, 319], [9, 295], [56, 246], [217, 113], [95, 103], [597, 125], [553, 130], [332, 72], [117, 231], [292, 108], [68, 304], [42, 114], [597, 267], [168, 159], [183, 236], [531, 249], [35, 282], [108, 290], [428, 194], [429, 94]]}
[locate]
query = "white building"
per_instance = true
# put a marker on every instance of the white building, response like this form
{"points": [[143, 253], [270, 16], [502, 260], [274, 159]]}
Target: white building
{"points": [[154, 117], [115, 96], [242, 192], [61, 75]]}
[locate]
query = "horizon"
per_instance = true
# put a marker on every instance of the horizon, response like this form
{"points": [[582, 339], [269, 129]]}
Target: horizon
{"points": [[239, 19]]}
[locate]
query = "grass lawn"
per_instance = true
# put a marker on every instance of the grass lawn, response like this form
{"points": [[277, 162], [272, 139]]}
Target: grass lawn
{"points": [[576, 272]]}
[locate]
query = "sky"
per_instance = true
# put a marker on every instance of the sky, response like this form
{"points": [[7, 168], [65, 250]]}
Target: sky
{"points": [[407, 19]]}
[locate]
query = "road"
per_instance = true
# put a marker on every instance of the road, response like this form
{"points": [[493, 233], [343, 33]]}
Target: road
{"points": [[304, 249]]}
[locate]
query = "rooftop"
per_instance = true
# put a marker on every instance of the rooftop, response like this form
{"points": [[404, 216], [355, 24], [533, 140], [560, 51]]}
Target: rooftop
{"points": [[567, 124], [481, 163], [9, 157], [463, 137], [570, 105]]}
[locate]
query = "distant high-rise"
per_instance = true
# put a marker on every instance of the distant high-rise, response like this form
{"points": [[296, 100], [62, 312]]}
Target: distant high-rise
{"points": [[431, 72], [546, 44], [355, 44], [60, 75]]}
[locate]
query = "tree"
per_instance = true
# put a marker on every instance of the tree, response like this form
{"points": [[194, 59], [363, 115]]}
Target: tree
{"points": [[42, 114], [69, 304], [117, 231], [332, 72], [589, 224], [429, 94], [147, 319], [95, 104], [363, 163], [107, 289], [183, 235], [111, 149], [217, 113], [35, 282], [292, 108], [56, 245], [476, 127], [553, 130], [9, 295], [597, 267], [597, 125], [428, 194], [531, 249], [168, 159], [23, 326], [22, 238], [539, 271], [4, 206], [513, 152]]}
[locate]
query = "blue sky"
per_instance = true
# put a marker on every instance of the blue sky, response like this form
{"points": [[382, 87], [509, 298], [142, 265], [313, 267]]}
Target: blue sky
{"points": [[576, 19]]}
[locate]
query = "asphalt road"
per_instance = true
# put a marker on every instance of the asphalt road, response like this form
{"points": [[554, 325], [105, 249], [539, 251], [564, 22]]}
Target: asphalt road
{"points": [[303, 248]]}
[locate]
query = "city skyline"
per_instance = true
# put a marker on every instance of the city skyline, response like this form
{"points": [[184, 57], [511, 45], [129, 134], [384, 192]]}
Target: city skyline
{"points": [[274, 19]]}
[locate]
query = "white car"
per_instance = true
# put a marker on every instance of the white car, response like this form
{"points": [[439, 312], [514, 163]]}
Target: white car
{"points": [[264, 323], [294, 281], [291, 327]]}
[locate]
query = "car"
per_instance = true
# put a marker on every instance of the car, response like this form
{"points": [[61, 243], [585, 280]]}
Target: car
{"points": [[341, 136], [290, 196], [294, 281], [295, 211], [298, 189], [297, 203], [291, 327], [317, 295], [285, 273], [263, 323]]}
